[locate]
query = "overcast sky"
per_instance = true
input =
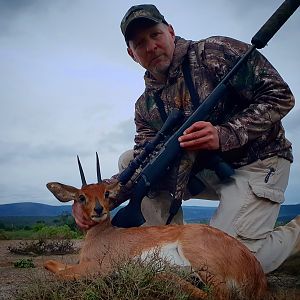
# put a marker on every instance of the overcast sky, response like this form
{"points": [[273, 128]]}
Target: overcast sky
{"points": [[68, 87]]}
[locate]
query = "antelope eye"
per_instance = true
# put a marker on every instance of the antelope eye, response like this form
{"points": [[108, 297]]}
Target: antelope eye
{"points": [[106, 194], [82, 199]]}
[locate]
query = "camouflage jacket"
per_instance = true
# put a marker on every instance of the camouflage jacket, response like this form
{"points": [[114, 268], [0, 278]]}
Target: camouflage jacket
{"points": [[248, 118]]}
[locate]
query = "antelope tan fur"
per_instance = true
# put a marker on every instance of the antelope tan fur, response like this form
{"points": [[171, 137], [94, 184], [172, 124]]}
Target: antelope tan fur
{"points": [[216, 258]]}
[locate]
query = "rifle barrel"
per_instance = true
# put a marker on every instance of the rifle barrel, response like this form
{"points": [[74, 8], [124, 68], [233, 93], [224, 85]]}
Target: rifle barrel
{"points": [[274, 23]]}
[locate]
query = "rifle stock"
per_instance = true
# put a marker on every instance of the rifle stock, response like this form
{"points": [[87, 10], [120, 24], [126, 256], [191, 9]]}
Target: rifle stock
{"points": [[131, 215]]}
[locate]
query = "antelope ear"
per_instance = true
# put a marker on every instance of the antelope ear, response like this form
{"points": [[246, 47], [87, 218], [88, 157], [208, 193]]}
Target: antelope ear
{"points": [[62, 192]]}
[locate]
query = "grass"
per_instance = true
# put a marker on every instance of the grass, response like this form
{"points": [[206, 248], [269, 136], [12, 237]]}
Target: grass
{"points": [[44, 247], [134, 279], [285, 281], [40, 231], [139, 280], [24, 263], [20, 234]]}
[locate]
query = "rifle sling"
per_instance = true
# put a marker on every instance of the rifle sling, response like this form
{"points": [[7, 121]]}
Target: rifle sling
{"points": [[160, 106], [189, 82], [190, 85]]}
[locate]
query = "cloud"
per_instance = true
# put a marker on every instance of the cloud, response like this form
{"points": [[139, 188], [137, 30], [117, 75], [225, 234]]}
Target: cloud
{"points": [[292, 122], [121, 136], [14, 13], [18, 152]]}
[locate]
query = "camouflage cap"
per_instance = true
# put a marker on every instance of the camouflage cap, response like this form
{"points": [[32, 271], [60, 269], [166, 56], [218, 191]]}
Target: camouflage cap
{"points": [[143, 11]]}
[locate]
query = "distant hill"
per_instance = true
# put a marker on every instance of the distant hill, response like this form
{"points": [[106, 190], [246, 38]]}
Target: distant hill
{"points": [[288, 212], [191, 213], [30, 209], [200, 213]]}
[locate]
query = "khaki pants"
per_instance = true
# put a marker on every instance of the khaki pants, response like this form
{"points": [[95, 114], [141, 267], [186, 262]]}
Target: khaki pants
{"points": [[248, 208]]}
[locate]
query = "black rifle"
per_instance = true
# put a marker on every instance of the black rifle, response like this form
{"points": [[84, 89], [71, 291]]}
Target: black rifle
{"points": [[158, 163]]}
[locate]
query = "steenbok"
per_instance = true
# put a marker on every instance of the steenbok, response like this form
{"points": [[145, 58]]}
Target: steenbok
{"points": [[203, 249]]}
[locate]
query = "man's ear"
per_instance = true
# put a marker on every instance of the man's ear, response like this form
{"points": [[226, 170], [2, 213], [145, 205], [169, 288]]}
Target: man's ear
{"points": [[130, 53], [171, 30]]}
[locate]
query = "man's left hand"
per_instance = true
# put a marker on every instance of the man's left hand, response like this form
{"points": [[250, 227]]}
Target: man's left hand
{"points": [[200, 136]]}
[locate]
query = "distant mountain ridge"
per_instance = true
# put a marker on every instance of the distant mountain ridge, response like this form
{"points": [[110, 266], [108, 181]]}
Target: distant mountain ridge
{"points": [[31, 209], [191, 213]]}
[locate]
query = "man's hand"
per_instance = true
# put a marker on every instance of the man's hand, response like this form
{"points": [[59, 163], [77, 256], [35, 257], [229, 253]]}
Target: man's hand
{"points": [[83, 221], [200, 136]]}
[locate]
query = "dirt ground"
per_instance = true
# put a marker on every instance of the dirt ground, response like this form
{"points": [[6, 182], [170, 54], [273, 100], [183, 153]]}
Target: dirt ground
{"points": [[12, 278]]}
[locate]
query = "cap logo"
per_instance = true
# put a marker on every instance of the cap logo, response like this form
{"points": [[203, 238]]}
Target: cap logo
{"points": [[140, 13]]}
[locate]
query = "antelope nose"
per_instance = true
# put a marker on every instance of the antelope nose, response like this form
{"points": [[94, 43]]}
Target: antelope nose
{"points": [[98, 208]]}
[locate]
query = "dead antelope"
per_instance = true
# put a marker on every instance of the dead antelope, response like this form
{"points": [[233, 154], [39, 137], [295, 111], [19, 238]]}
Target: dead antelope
{"points": [[230, 264]]}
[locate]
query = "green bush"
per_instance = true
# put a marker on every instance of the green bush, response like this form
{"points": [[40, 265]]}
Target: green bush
{"points": [[38, 226], [41, 231], [3, 235], [45, 247], [24, 263], [57, 232]]}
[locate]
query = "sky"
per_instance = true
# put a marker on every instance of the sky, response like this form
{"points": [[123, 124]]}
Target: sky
{"points": [[68, 86]]}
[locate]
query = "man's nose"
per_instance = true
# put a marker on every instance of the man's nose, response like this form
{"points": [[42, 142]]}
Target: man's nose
{"points": [[151, 46]]}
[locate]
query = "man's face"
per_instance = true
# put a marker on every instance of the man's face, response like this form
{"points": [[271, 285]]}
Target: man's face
{"points": [[152, 46]]}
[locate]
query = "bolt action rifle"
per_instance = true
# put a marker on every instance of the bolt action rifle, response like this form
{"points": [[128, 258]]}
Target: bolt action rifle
{"points": [[159, 154]]}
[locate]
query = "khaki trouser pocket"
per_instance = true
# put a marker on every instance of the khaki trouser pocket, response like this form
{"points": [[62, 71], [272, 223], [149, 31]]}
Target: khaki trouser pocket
{"points": [[272, 180], [267, 181]]}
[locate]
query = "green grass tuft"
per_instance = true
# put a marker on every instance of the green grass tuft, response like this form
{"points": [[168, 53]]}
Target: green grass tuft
{"points": [[24, 263], [134, 279]]}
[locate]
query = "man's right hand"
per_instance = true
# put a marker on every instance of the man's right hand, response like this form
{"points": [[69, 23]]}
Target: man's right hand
{"points": [[83, 221], [200, 136]]}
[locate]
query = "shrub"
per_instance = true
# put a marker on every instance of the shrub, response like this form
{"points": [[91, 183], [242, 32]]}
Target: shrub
{"points": [[24, 263], [55, 232], [132, 280], [3, 235], [55, 247]]}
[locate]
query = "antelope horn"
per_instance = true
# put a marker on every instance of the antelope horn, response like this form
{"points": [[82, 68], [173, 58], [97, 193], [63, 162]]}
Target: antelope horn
{"points": [[98, 169], [81, 172]]}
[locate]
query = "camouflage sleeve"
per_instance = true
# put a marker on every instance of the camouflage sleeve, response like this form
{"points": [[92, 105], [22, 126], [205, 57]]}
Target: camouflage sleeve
{"points": [[267, 98], [144, 131]]}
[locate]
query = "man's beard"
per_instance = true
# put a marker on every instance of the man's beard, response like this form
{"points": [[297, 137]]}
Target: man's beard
{"points": [[161, 68]]}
